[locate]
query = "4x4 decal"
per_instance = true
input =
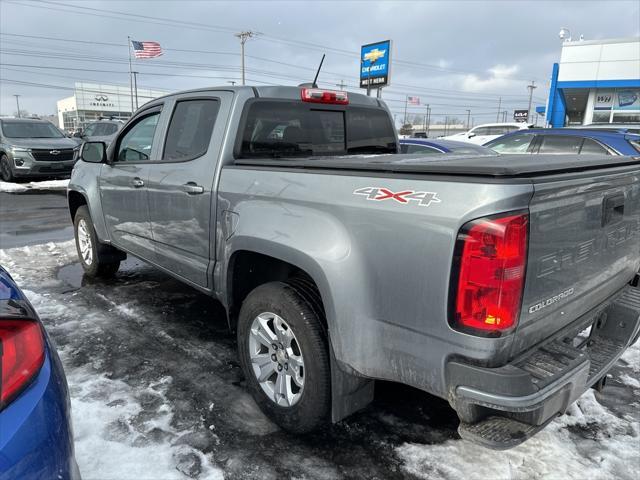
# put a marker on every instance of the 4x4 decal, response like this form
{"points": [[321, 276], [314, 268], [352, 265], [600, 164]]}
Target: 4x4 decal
{"points": [[405, 196]]}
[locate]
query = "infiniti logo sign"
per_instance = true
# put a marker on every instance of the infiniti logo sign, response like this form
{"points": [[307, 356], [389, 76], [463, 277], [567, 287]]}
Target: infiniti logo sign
{"points": [[101, 98]]}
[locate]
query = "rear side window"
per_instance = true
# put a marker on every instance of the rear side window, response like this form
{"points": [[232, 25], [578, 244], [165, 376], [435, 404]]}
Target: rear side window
{"points": [[410, 148], [284, 129], [511, 144], [560, 144], [105, 129], [592, 147], [190, 129]]}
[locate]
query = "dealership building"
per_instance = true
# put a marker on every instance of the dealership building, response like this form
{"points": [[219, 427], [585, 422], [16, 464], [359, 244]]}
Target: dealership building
{"points": [[596, 81], [93, 101]]}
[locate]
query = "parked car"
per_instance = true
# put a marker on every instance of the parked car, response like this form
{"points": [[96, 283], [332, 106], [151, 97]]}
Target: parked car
{"points": [[34, 149], [567, 141], [482, 134], [36, 438], [340, 262], [101, 131], [418, 145]]}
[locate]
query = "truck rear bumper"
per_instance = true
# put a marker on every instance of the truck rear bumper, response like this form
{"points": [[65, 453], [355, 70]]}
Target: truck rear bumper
{"points": [[520, 398]]}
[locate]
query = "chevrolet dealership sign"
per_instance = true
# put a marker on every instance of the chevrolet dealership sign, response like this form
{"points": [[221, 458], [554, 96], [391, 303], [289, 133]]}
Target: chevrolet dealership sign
{"points": [[375, 64]]}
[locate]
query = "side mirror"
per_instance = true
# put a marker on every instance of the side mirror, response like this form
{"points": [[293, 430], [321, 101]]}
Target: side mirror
{"points": [[93, 152], [78, 133], [471, 135]]}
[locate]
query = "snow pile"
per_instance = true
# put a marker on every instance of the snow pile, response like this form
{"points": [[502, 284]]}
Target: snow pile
{"points": [[589, 441], [42, 185], [122, 430]]}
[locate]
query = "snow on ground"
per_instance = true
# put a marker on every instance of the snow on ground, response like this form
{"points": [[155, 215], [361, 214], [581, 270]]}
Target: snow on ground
{"points": [[156, 393], [40, 185]]}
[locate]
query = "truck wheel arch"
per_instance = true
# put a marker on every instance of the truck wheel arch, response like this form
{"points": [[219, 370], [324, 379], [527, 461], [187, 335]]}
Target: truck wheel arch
{"points": [[247, 269], [75, 200]]}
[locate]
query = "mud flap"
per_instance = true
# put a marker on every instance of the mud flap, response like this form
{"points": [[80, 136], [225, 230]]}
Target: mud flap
{"points": [[349, 393]]}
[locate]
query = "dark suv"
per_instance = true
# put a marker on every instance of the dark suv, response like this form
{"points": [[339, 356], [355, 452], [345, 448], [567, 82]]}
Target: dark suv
{"points": [[100, 131], [34, 148]]}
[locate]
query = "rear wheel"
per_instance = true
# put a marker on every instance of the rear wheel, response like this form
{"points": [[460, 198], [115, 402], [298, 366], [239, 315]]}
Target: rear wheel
{"points": [[97, 259], [284, 355], [5, 169]]}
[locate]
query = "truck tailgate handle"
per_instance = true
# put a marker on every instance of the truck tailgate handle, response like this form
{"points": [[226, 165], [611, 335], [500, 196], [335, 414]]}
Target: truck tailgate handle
{"points": [[192, 188], [612, 209]]}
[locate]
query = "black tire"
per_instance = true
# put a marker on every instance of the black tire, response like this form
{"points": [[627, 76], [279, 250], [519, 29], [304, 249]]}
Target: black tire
{"points": [[5, 169], [312, 409], [105, 260]]}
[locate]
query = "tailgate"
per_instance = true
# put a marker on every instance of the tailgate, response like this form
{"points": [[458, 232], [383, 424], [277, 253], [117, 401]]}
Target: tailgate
{"points": [[584, 246]]}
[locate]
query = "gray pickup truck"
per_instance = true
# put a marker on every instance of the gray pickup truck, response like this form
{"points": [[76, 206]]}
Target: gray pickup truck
{"points": [[506, 285]]}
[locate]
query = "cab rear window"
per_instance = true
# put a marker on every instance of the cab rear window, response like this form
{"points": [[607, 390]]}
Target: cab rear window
{"points": [[275, 129]]}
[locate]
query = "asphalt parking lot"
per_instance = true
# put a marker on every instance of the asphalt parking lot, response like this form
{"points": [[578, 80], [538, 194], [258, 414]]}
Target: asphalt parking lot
{"points": [[157, 391]]}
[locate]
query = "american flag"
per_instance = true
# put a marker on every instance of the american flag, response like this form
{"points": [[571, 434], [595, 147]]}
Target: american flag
{"points": [[413, 100], [146, 49]]}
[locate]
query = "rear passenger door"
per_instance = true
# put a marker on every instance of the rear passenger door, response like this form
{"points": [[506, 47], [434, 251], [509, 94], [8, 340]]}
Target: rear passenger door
{"points": [[182, 199]]}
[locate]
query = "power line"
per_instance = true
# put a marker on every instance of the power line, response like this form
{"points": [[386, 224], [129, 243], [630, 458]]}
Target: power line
{"points": [[414, 88], [175, 23]]}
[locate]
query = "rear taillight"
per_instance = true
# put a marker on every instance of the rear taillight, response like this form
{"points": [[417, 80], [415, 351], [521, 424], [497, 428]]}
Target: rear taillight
{"points": [[21, 356], [491, 256], [316, 95]]}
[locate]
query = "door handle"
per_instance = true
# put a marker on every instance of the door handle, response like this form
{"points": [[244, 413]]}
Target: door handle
{"points": [[137, 182], [192, 188]]}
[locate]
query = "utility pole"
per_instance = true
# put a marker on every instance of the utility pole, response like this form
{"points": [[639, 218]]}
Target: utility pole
{"points": [[135, 87], [18, 104], [406, 100], [468, 119], [341, 84], [428, 119], [531, 88], [499, 105], [244, 36]]}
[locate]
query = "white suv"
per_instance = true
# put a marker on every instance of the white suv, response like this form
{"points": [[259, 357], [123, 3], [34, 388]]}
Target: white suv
{"points": [[482, 134]]}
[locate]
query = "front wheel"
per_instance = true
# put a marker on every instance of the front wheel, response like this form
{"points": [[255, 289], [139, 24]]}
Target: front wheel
{"points": [[97, 259], [5, 169], [284, 355]]}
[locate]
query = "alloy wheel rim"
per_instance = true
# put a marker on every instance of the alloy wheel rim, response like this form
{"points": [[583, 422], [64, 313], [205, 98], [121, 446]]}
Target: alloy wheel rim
{"points": [[276, 359], [84, 242]]}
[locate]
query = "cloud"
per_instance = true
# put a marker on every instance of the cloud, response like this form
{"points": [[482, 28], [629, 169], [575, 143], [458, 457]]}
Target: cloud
{"points": [[500, 76]]}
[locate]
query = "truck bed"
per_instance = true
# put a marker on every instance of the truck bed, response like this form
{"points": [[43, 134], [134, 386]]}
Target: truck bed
{"points": [[499, 166]]}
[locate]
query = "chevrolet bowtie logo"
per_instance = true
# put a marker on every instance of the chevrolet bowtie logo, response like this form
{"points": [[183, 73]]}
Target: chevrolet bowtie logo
{"points": [[374, 55]]}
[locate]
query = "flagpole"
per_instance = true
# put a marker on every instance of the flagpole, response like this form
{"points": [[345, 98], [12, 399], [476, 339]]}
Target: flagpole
{"points": [[130, 74]]}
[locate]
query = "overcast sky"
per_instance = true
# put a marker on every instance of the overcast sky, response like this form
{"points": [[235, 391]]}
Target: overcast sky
{"points": [[453, 55]]}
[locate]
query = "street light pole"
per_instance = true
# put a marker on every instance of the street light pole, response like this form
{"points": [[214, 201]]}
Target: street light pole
{"points": [[531, 88], [18, 104], [499, 105], [468, 119], [244, 36]]}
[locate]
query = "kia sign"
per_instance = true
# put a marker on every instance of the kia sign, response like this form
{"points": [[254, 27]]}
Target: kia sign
{"points": [[375, 64], [520, 115]]}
